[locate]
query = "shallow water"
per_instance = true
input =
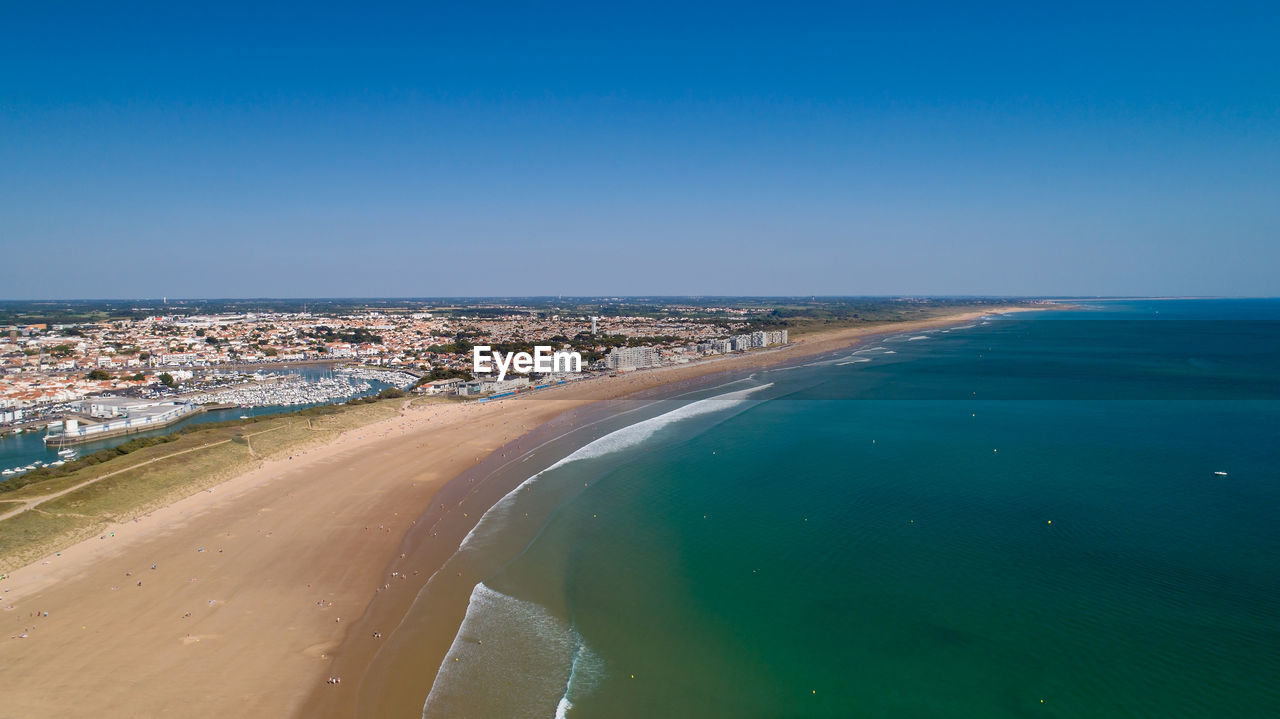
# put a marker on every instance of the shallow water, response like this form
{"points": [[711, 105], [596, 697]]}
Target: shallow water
{"points": [[1018, 518]]}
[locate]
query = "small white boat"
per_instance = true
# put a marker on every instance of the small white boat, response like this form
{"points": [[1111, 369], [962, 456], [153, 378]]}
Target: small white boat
{"points": [[7, 472], [66, 452], [244, 416], [57, 463], [1221, 474]]}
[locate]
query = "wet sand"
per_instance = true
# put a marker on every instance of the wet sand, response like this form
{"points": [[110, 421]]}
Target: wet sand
{"points": [[276, 580]]}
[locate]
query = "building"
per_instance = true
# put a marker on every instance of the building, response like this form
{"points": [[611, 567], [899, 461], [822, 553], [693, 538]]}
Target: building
{"points": [[440, 386], [491, 386], [764, 339], [122, 416], [177, 358], [625, 358], [108, 407]]}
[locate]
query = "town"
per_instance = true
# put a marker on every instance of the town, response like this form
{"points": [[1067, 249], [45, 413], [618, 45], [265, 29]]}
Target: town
{"points": [[166, 359]]}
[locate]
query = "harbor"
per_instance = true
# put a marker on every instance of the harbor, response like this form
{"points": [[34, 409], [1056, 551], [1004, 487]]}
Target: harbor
{"points": [[282, 390]]}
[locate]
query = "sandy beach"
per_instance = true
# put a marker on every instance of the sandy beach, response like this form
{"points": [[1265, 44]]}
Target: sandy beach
{"points": [[244, 599]]}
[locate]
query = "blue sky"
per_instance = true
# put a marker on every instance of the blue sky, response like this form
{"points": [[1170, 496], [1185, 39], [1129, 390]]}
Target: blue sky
{"points": [[845, 148]]}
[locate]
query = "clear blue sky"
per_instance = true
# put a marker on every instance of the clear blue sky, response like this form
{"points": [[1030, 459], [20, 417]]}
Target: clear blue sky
{"points": [[472, 149]]}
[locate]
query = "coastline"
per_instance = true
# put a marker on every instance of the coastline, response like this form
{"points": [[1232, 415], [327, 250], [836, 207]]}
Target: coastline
{"points": [[381, 679], [273, 580]]}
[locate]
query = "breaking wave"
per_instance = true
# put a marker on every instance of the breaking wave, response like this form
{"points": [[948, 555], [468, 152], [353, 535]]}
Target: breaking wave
{"points": [[616, 441], [512, 658]]}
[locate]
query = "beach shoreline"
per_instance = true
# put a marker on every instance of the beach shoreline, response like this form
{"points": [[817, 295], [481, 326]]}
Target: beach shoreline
{"points": [[380, 679], [274, 580]]}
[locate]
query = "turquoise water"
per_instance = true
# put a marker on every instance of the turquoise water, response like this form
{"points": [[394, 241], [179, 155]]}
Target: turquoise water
{"points": [[1020, 518]]}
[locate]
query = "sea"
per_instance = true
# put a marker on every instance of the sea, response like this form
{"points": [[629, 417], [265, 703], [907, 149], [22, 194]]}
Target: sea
{"points": [[19, 450], [1068, 513]]}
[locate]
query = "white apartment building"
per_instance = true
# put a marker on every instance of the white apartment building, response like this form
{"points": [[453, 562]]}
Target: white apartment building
{"points": [[624, 358]]}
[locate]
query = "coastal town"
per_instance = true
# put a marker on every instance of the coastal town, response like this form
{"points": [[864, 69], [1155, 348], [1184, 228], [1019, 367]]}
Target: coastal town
{"points": [[158, 363]]}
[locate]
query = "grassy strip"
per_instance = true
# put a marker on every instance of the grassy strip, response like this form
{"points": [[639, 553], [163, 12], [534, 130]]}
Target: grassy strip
{"points": [[809, 323], [31, 535], [158, 474], [143, 489]]}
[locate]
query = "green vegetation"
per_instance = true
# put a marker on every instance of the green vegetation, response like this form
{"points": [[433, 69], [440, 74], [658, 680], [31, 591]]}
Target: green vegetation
{"points": [[145, 473], [801, 318], [103, 455], [461, 345], [166, 379], [98, 374], [438, 373], [353, 335]]}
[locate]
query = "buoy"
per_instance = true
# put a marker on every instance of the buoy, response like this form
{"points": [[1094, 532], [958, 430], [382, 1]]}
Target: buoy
{"points": [[1050, 521]]}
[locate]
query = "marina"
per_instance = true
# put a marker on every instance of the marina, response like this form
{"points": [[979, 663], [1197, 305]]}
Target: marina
{"points": [[283, 390], [289, 391]]}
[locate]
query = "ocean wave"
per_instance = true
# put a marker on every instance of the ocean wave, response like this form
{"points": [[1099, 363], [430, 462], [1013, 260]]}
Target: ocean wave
{"points": [[512, 658], [584, 674], [637, 433], [616, 441], [918, 337]]}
